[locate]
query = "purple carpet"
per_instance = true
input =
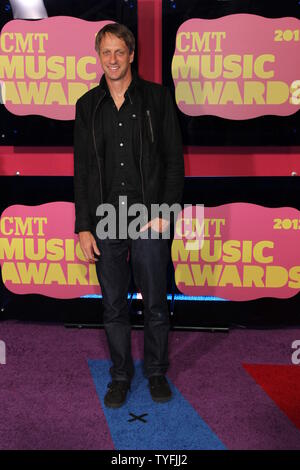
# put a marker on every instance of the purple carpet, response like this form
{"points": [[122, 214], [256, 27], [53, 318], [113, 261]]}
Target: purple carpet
{"points": [[49, 399]]}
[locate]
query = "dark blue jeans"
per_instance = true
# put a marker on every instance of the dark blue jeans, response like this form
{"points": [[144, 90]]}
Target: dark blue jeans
{"points": [[149, 261]]}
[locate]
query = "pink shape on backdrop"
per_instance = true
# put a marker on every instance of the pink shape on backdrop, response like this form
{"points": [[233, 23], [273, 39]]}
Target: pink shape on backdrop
{"points": [[58, 224], [241, 222], [67, 37], [245, 34], [244, 222]]}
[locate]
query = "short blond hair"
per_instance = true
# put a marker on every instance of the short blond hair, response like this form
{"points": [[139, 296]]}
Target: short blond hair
{"points": [[119, 30]]}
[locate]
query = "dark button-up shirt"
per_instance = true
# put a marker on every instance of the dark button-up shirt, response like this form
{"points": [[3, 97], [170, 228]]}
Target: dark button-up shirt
{"points": [[122, 153]]}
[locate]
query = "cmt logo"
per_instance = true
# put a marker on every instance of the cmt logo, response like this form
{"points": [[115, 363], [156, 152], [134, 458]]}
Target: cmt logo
{"points": [[296, 354], [2, 352]]}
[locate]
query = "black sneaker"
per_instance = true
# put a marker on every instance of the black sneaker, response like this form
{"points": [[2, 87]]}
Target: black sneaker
{"points": [[159, 388], [116, 394]]}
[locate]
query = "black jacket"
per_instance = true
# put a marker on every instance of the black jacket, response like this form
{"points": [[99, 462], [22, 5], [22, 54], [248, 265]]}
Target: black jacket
{"points": [[161, 156]]}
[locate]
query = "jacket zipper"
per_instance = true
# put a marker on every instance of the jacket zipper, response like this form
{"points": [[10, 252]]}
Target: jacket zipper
{"points": [[142, 179], [150, 124], [141, 154], [94, 138]]}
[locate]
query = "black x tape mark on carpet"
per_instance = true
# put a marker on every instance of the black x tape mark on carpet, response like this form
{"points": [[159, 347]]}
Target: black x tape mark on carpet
{"points": [[138, 417]]}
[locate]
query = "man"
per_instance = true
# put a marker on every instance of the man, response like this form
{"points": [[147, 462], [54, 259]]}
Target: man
{"points": [[127, 143]]}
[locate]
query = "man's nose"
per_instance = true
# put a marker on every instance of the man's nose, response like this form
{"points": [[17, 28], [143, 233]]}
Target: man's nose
{"points": [[113, 58]]}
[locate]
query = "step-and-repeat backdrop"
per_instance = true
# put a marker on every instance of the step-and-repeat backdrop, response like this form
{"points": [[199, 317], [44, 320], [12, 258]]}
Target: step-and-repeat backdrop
{"points": [[237, 67]]}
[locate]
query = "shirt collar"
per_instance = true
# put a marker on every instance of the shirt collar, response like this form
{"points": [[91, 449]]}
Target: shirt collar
{"points": [[130, 90]]}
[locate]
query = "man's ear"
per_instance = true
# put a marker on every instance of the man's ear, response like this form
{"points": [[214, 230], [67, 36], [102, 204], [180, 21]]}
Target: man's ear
{"points": [[131, 57]]}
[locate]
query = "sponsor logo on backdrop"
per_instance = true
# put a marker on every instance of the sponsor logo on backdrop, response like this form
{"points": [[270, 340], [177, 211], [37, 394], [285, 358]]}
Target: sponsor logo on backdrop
{"points": [[236, 251], [248, 251], [46, 65], [238, 66], [41, 254]]}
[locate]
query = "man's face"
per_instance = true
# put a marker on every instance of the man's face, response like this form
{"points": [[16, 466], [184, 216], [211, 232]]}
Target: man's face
{"points": [[114, 57]]}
